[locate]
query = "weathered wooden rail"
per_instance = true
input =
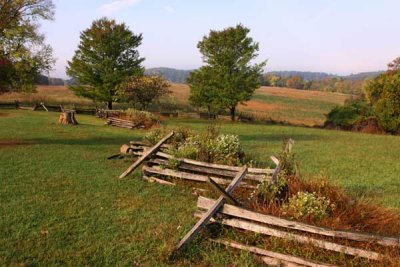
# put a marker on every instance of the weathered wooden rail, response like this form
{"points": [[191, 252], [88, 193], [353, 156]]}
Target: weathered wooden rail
{"points": [[248, 220], [159, 166], [10, 105], [113, 121]]}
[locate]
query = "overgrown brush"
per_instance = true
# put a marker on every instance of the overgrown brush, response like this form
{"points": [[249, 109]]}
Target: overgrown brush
{"points": [[318, 201], [143, 118], [208, 146]]}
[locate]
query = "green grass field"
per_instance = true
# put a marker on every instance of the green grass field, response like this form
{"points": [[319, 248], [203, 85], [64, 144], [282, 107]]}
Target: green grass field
{"points": [[62, 204]]}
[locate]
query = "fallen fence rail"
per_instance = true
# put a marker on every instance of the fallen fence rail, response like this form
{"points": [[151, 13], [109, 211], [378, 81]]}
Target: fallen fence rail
{"points": [[240, 218], [112, 121], [159, 166]]}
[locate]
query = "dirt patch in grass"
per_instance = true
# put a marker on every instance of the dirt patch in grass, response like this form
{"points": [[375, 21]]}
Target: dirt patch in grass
{"points": [[2, 115], [13, 143]]}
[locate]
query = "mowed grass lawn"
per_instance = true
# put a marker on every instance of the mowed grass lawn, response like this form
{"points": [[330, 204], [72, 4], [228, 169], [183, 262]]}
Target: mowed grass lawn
{"points": [[62, 204]]}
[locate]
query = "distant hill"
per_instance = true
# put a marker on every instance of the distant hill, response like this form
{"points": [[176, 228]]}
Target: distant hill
{"points": [[45, 80], [180, 76], [314, 76], [363, 75], [173, 75], [306, 75]]}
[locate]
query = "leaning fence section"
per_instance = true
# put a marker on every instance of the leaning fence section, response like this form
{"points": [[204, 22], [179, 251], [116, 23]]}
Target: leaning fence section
{"points": [[161, 167]]}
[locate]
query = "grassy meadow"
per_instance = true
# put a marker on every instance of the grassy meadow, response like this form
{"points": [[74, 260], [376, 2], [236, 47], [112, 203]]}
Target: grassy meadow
{"points": [[298, 107], [62, 204]]}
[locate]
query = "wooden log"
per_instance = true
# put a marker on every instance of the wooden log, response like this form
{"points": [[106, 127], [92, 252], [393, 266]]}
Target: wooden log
{"points": [[67, 117], [261, 229], [206, 203], [145, 155], [110, 121], [220, 190], [206, 170], [189, 176], [156, 180], [271, 254], [42, 104], [278, 263], [216, 166], [26, 108], [124, 149], [214, 209], [276, 170]]}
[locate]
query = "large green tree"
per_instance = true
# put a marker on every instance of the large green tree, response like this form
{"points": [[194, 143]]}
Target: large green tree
{"points": [[106, 56], [23, 53], [203, 90], [231, 76], [383, 93]]}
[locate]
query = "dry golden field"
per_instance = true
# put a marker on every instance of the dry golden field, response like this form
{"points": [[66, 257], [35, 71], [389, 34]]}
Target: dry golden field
{"points": [[293, 106]]}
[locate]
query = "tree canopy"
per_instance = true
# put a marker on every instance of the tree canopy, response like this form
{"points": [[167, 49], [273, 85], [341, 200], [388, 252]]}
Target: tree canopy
{"points": [[106, 56], [383, 93], [143, 90], [228, 77], [23, 53]]}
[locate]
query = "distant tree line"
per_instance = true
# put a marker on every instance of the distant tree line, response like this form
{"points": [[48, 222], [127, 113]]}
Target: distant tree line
{"points": [[173, 75], [327, 83], [45, 80], [304, 80]]}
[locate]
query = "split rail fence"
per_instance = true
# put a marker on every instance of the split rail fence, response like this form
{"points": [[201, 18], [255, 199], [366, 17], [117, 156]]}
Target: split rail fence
{"points": [[226, 210]]}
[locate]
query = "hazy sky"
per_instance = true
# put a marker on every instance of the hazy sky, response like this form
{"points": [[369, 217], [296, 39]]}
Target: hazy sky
{"points": [[336, 36]]}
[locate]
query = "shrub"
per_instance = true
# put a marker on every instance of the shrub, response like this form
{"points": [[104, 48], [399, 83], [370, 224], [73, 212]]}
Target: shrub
{"points": [[346, 116], [383, 93], [180, 135], [154, 136], [277, 190], [147, 119], [308, 205], [209, 146]]}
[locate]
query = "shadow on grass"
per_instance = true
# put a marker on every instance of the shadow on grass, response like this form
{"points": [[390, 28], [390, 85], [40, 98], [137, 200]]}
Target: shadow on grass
{"points": [[278, 137], [93, 141]]}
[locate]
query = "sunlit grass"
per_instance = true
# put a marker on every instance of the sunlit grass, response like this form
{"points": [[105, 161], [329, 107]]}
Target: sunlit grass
{"points": [[62, 204]]}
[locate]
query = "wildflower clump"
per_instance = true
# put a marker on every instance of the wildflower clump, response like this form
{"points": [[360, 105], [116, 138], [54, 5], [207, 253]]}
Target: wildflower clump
{"points": [[208, 146], [308, 205], [144, 118]]}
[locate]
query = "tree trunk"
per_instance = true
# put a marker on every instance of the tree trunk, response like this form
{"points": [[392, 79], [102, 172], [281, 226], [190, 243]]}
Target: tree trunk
{"points": [[233, 112], [67, 117], [109, 105]]}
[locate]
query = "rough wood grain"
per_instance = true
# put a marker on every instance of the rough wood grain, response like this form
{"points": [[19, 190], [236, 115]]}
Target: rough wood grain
{"points": [[215, 166], [189, 176], [250, 226], [271, 254], [220, 190], [214, 209], [145, 155], [205, 203], [156, 180]]}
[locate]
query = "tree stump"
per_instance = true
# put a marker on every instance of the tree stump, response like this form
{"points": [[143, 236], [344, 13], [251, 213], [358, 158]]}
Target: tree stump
{"points": [[67, 117]]}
